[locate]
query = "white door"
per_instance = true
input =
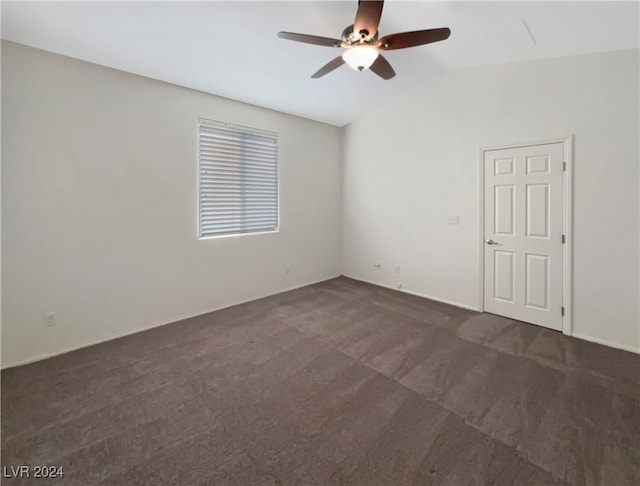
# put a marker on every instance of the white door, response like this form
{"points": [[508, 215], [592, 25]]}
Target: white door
{"points": [[523, 233]]}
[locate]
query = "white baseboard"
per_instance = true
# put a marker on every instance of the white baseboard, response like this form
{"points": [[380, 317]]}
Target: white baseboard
{"points": [[418, 294], [68, 349], [605, 342]]}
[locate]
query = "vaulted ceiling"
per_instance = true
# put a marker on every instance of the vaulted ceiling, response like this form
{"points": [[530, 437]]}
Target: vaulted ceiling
{"points": [[231, 49]]}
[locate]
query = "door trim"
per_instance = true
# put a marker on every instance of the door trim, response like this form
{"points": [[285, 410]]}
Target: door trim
{"points": [[567, 225]]}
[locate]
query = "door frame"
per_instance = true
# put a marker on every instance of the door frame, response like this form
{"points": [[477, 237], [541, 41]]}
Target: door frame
{"points": [[567, 224]]}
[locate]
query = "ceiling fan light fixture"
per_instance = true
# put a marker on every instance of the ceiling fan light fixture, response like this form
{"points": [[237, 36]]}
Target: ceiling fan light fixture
{"points": [[360, 57], [361, 43]]}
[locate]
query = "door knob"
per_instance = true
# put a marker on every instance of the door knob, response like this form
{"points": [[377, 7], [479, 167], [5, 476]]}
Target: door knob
{"points": [[491, 242]]}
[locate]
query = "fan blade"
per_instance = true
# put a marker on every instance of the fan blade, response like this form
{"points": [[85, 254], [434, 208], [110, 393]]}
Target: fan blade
{"points": [[368, 17], [327, 68], [311, 39], [411, 39], [382, 68]]}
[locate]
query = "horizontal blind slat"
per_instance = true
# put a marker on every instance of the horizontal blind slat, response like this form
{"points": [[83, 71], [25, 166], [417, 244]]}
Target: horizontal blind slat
{"points": [[249, 143], [233, 232], [225, 225], [252, 171], [221, 152], [235, 145], [231, 213], [230, 134], [222, 203], [244, 223]]}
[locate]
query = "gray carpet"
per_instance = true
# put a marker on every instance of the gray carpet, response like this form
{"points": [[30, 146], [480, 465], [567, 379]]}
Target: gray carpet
{"points": [[336, 383]]}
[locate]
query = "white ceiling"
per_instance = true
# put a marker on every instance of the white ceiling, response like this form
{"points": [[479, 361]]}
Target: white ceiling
{"points": [[231, 49]]}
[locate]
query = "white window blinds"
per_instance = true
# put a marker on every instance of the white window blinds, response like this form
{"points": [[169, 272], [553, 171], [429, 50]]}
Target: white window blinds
{"points": [[238, 181]]}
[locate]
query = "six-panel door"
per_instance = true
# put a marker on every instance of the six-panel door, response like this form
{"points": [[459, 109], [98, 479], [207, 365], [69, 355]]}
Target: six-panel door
{"points": [[523, 233]]}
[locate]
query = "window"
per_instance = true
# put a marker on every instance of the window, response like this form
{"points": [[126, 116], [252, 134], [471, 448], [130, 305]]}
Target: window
{"points": [[238, 179]]}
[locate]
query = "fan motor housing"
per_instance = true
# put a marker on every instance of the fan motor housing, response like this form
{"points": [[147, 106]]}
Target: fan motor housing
{"points": [[362, 37]]}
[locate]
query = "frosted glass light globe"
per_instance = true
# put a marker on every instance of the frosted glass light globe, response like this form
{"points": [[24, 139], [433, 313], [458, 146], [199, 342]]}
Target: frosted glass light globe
{"points": [[360, 57]]}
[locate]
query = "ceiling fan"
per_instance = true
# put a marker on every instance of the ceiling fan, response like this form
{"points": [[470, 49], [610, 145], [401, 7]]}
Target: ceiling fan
{"points": [[361, 43]]}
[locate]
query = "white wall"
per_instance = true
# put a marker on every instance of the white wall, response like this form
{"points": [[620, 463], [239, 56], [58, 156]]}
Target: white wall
{"points": [[99, 205], [409, 163], [99, 198]]}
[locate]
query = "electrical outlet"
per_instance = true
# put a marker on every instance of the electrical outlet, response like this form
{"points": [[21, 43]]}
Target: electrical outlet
{"points": [[397, 269], [453, 219], [50, 319]]}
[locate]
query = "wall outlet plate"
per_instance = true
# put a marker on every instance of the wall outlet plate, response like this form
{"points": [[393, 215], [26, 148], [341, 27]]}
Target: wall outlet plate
{"points": [[453, 219]]}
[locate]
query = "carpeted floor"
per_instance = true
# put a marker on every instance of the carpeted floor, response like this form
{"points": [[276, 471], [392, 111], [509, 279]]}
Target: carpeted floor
{"points": [[337, 383]]}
